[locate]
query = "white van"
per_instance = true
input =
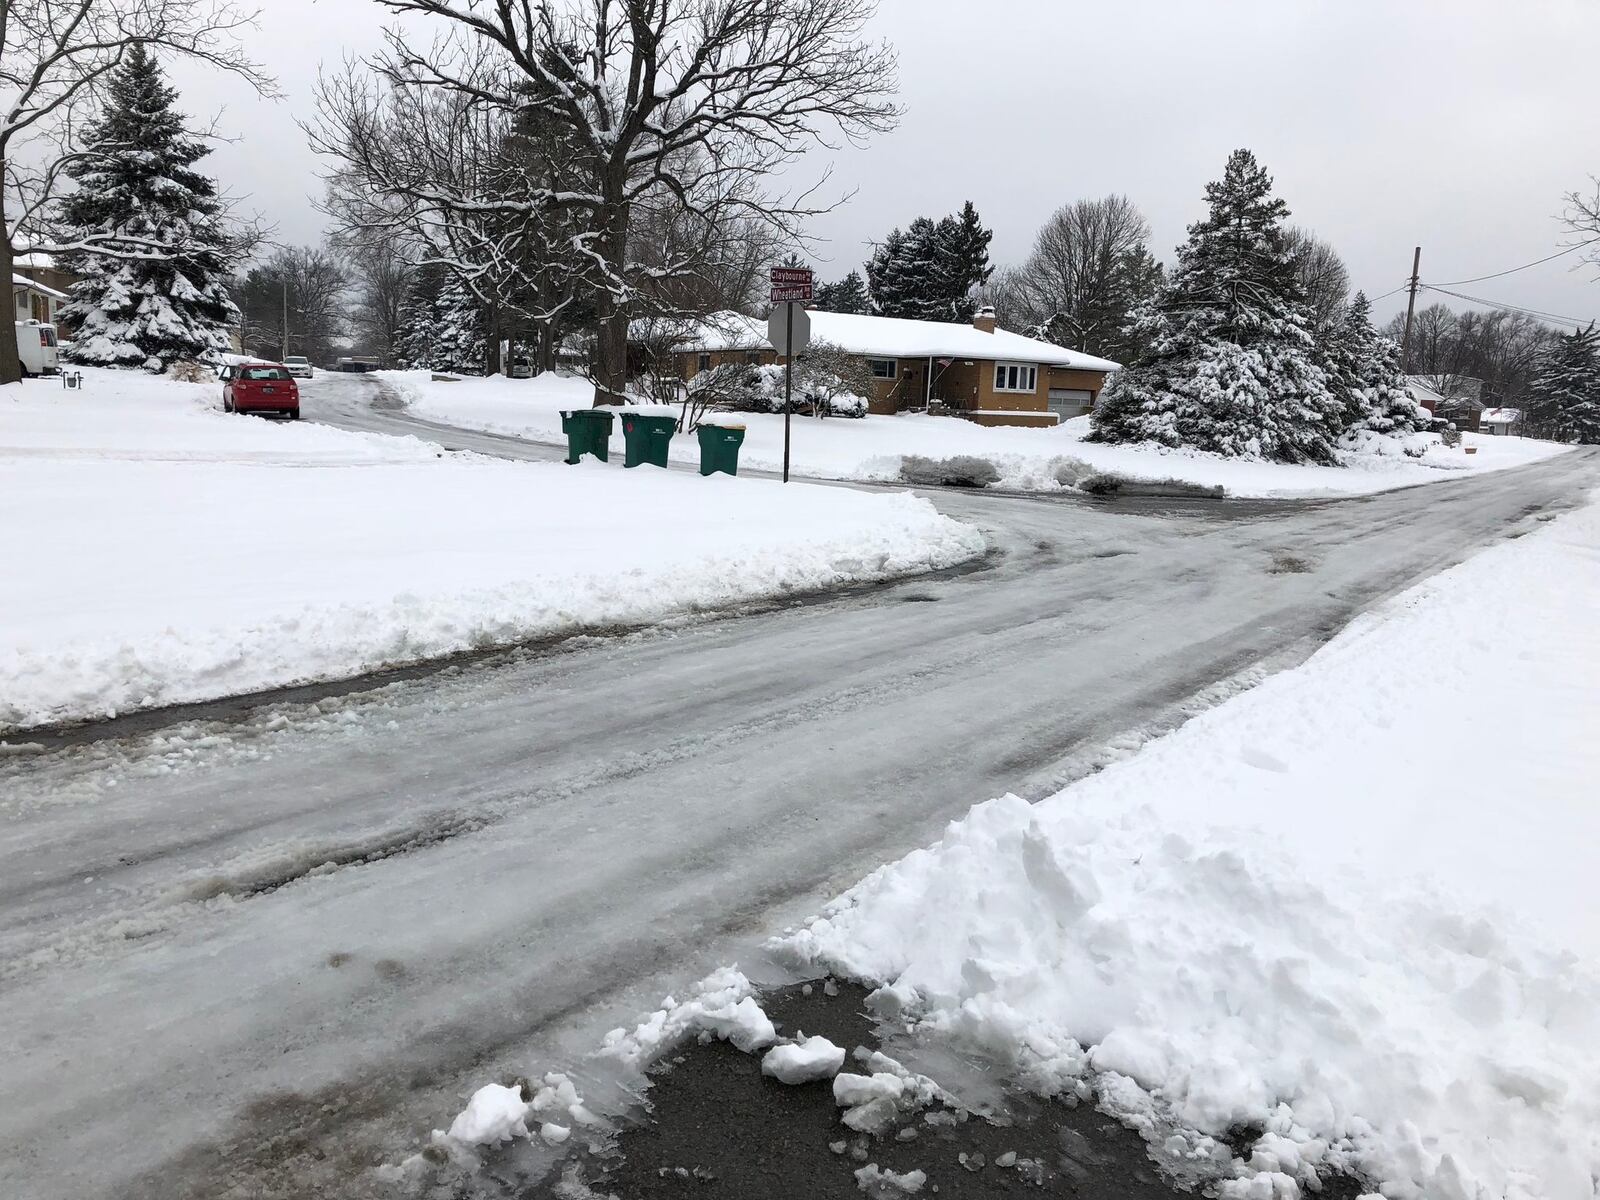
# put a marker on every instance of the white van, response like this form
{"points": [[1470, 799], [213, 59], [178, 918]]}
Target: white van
{"points": [[36, 347]]}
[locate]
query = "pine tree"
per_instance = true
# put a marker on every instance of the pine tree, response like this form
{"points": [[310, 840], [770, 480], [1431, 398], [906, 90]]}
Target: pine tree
{"points": [[461, 341], [1231, 365], [417, 345], [963, 262], [1368, 381], [930, 271], [848, 295], [168, 300], [1564, 400]]}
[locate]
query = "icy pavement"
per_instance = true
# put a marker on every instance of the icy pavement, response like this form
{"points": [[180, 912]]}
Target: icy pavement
{"points": [[263, 957]]}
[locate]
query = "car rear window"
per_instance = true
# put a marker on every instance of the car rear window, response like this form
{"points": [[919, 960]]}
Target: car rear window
{"points": [[264, 373]]}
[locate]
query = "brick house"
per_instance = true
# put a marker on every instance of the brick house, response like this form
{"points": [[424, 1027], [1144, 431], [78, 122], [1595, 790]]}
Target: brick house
{"points": [[987, 375]]}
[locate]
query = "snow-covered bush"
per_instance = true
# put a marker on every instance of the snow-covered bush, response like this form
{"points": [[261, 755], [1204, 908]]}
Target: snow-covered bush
{"points": [[746, 387]]}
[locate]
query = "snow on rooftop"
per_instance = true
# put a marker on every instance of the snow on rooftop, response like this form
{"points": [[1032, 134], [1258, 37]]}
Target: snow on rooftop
{"points": [[1501, 416], [890, 337], [35, 285]]}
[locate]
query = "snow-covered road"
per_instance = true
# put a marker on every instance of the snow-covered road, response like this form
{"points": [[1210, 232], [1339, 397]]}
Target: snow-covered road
{"points": [[258, 959]]}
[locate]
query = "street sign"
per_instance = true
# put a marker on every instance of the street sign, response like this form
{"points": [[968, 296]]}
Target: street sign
{"points": [[789, 324], [790, 284]]}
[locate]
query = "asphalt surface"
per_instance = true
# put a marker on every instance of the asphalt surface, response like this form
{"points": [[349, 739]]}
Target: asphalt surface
{"points": [[261, 954]]}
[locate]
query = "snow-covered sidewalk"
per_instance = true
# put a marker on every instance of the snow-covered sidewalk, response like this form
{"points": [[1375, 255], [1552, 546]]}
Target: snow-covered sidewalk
{"points": [[1355, 907], [874, 447], [158, 551]]}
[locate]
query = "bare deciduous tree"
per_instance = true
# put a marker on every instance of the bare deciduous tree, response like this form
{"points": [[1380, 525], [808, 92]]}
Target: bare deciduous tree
{"points": [[1322, 274], [382, 275], [1491, 356], [313, 281], [696, 105], [1088, 268], [54, 54]]}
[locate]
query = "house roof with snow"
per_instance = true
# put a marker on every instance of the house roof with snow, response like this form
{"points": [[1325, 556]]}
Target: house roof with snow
{"points": [[23, 281], [1501, 416], [887, 337]]}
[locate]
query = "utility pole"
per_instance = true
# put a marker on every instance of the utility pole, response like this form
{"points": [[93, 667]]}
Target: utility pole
{"points": [[286, 313], [1411, 308]]}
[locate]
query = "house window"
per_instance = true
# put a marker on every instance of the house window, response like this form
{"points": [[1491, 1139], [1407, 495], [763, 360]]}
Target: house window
{"points": [[1015, 377], [753, 356], [703, 363], [883, 368]]}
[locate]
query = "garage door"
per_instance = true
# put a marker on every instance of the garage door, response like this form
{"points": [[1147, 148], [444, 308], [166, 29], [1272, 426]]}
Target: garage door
{"points": [[1070, 402]]}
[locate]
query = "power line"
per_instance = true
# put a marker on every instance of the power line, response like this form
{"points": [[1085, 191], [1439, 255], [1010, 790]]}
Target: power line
{"points": [[1516, 308], [1536, 262]]}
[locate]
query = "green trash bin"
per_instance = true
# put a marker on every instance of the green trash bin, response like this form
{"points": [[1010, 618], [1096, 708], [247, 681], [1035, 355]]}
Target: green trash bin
{"points": [[719, 448], [646, 438], [588, 432]]}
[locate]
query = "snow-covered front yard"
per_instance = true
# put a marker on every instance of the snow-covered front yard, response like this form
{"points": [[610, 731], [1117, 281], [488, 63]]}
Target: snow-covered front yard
{"points": [[872, 448], [159, 551], [1356, 906]]}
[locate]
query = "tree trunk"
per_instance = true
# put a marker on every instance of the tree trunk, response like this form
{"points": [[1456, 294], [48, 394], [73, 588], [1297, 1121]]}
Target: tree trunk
{"points": [[611, 346], [10, 364]]}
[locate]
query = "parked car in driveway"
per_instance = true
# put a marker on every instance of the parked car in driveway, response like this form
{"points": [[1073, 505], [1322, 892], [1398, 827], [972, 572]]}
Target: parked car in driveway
{"points": [[260, 387], [36, 347], [299, 366]]}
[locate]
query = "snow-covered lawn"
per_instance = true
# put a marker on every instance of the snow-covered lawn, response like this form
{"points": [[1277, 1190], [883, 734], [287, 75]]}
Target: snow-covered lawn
{"points": [[872, 448], [158, 551], [1357, 905]]}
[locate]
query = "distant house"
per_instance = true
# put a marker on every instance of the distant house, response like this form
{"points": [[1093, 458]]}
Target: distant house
{"points": [[988, 375], [1456, 398], [33, 301], [41, 270], [1499, 420]]}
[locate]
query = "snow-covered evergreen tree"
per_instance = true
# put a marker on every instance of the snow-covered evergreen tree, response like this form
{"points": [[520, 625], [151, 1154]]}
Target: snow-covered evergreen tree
{"points": [[891, 271], [1384, 404], [962, 262], [462, 332], [417, 342], [1564, 400], [1231, 365], [848, 295], [161, 294], [931, 271], [441, 325]]}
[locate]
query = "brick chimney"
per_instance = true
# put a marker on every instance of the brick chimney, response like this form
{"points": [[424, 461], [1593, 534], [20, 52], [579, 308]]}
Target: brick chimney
{"points": [[984, 319]]}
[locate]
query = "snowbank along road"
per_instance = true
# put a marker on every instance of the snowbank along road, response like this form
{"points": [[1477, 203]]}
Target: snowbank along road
{"points": [[258, 957]]}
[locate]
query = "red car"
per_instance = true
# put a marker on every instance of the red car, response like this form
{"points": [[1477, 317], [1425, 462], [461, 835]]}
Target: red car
{"points": [[260, 387]]}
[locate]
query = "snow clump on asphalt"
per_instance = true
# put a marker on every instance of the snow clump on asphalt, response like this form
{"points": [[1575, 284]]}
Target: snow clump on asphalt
{"points": [[803, 1061], [884, 1184], [494, 1114]]}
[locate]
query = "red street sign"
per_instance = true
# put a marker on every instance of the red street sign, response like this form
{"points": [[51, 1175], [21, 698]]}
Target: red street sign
{"points": [[781, 275], [787, 292]]}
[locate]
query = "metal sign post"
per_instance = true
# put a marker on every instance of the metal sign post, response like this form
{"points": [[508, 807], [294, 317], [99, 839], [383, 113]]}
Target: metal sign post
{"points": [[789, 331]]}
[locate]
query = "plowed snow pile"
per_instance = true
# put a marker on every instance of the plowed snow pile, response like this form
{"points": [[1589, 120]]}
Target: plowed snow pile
{"points": [[157, 551], [1355, 907]]}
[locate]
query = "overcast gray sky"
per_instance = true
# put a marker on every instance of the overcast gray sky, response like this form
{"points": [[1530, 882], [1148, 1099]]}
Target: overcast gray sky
{"points": [[1456, 124]]}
